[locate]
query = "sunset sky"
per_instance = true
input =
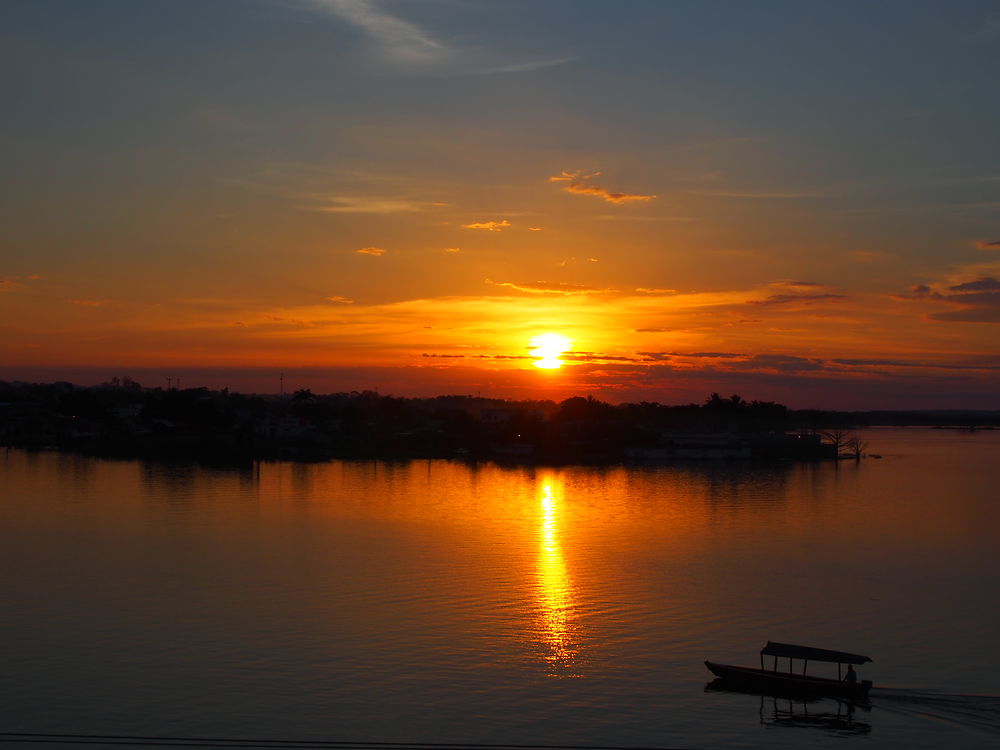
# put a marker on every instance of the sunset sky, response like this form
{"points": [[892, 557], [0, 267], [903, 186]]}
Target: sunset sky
{"points": [[795, 201]]}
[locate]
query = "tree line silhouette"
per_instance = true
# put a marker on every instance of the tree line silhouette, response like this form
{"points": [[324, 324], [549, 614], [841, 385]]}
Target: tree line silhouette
{"points": [[121, 418]]}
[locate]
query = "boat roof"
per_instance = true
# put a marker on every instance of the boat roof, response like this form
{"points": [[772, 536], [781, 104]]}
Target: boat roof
{"points": [[812, 654]]}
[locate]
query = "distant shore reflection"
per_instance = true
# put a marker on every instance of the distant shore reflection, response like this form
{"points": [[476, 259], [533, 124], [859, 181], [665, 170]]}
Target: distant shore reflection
{"points": [[555, 587]]}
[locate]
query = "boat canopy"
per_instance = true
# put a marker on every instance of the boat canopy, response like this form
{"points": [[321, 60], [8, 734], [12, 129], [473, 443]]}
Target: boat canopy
{"points": [[811, 654]]}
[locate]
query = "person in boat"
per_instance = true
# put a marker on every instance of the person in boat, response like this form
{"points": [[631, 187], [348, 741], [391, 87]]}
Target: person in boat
{"points": [[851, 678]]}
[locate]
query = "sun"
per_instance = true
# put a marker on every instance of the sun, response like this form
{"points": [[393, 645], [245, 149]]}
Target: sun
{"points": [[547, 347]]}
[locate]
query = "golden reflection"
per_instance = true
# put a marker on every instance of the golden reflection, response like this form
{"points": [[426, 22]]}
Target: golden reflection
{"points": [[555, 588]]}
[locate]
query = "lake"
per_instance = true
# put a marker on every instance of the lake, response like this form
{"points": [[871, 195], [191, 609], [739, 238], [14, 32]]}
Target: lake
{"points": [[445, 602]]}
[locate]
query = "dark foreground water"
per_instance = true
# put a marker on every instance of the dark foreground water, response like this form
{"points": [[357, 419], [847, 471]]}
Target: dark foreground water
{"points": [[434, 601]]}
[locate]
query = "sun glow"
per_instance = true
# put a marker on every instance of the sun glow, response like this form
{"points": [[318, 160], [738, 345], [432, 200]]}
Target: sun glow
{"points": [[547, 347]]}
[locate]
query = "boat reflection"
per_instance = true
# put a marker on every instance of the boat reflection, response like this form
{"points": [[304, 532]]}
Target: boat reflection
{"points": [[837, 717], [556, 616]]}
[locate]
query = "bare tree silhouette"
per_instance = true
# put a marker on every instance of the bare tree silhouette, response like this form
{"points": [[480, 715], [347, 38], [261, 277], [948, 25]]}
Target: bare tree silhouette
{"points": [[856, 446], [837, 437]]}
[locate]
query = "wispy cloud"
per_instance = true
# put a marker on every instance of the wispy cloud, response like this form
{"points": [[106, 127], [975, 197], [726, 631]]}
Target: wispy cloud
{"points": [[794, 291], [376, 251], [578, 183], [410, 46], [340, 300], [490, 226], [9, 283], [396, 38], [762, 194], [655, 291], [453, 249], [631, 217], [527, 67], [980, 285], [793, 284], [550, 287], [985, 245], [978, 301], [787, 299], [707, 355], [779, 363], [982, 363], [372, 205]]}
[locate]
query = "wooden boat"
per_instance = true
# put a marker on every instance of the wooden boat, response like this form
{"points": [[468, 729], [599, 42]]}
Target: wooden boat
{"points": [[774, 682]]}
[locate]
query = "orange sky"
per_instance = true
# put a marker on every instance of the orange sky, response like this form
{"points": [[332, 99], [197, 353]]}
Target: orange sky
{"points": [[371, 202]]}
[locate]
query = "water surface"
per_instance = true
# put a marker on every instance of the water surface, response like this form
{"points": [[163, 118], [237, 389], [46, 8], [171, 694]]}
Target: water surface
{"points": [[437, 601]]}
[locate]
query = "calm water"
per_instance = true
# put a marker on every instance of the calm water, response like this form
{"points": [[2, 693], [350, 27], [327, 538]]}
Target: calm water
{"points": [[434, 601]]}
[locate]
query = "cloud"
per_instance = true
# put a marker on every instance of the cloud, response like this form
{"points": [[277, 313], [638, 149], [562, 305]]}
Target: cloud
{"points": [[340, 300], [761, 194], [373, 205], [527, 67], [88, 302], [593, 357], [786, 299], [655, 291], [453, 249], [984, 245], [982, 285], [10, 283], [795, 284], [534, 229], [579, 185], [490, 226], [397, 39], [571, 261], [376, 251], [877, 363], [917, 291], [981, 307], [656, 356], [408, 45], [779, 363], [619, 217], [551, 287], [708, 355], [978, 301], [982, 363]]}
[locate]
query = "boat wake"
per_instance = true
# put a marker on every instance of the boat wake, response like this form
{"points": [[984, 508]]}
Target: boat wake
{"points": [[979, 711]]}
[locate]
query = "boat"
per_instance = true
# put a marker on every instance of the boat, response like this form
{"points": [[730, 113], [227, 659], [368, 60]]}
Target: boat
{"points": [[775, 682]]}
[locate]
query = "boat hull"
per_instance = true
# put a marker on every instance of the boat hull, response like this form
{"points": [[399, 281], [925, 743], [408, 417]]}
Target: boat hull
{"points": [[783, 683]]}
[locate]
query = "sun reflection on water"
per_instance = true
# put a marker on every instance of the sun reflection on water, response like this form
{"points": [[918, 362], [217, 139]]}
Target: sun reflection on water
{"points": [[555, 587]]}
